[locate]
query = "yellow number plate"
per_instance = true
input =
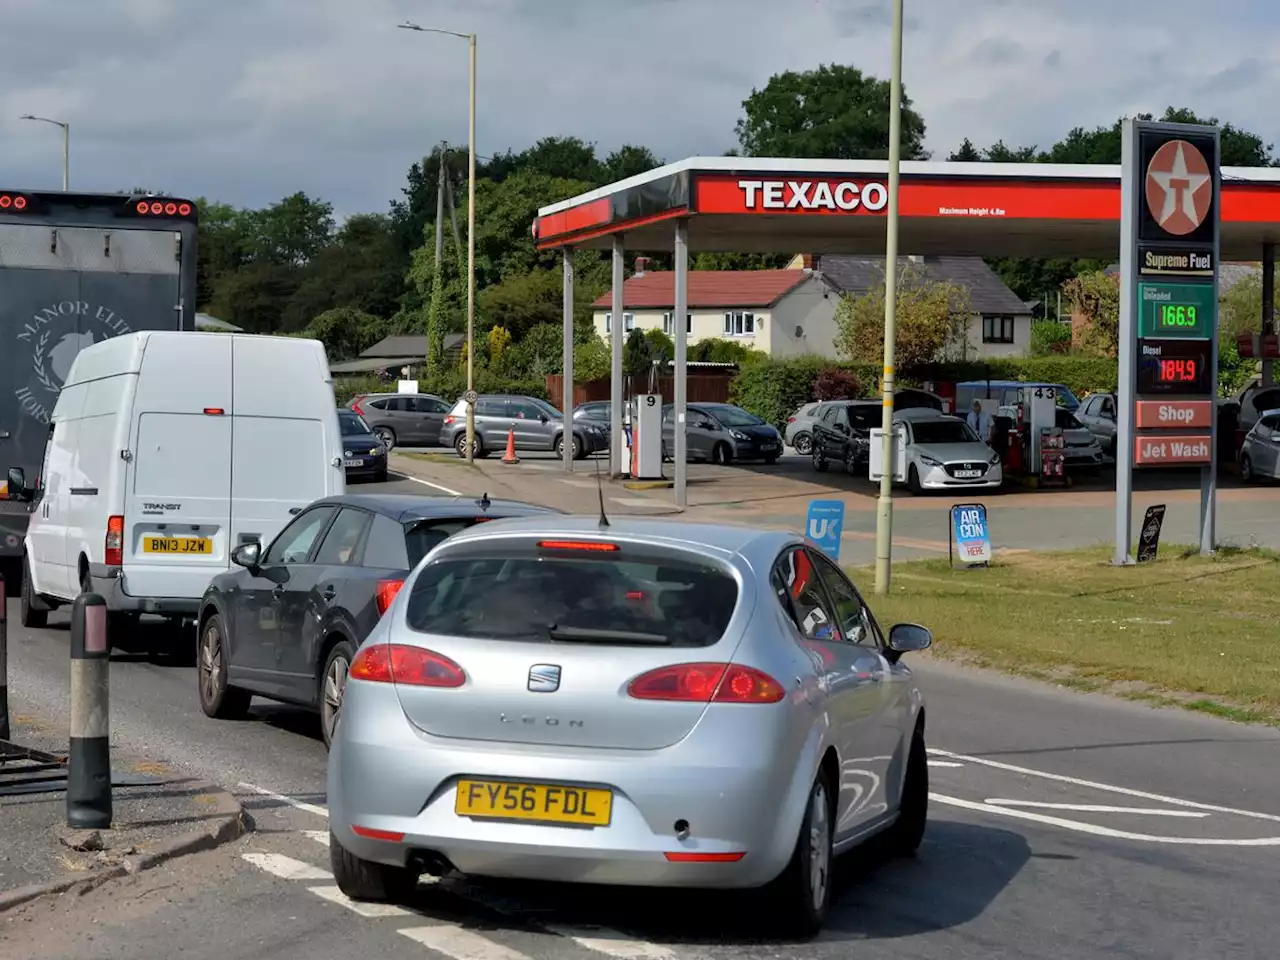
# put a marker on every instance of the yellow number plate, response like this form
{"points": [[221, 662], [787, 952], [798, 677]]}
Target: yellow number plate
{"points": [[546, 803], [197, 545]]}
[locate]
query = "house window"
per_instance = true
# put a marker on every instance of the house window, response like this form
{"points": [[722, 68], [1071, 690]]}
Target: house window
{"points": [[628, 322], [997, 329], [669, 328], [739, 324]]}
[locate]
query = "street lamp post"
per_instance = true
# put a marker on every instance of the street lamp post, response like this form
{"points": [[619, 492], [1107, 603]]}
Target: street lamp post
{"points": [[471, 230], [66, 145], [884, 512]]}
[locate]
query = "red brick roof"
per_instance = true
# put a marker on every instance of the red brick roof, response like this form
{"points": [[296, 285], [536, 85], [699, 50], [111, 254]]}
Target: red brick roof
{"points": [[707, 288]]}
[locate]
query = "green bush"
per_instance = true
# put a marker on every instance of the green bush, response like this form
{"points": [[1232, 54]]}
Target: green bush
{"points": [[1082, 374], [1049, 337], [772, 389], [345, 389], [449, 385]]}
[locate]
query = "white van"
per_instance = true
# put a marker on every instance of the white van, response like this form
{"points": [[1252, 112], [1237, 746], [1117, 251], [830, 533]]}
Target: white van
{"points": [[166, 450]]}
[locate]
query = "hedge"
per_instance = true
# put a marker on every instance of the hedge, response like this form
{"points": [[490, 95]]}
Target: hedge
{"points": [[773, 389], [448, 386]]}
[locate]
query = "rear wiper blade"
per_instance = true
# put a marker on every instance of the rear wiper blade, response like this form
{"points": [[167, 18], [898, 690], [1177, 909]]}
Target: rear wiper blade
{"points": [[592, 635]]}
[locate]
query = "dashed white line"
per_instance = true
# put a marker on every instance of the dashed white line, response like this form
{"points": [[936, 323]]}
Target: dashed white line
{"points": [[282, 798], [944, 763], [286, 868], [1106, 787], [453, 941], [1096, 808], [614, 944], [372, 910], [425, 483]]}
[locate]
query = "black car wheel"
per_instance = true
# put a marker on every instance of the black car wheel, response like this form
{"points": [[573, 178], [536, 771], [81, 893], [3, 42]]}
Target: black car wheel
{"points": [[460, 445], [913, 481], [802, 891], [721, 455], [333, 685], [1246, 469], [819, 461], [577, 448], [907, 832], [218, 699], [30, 616], [387, 436], [368, 881], [803, 444]]}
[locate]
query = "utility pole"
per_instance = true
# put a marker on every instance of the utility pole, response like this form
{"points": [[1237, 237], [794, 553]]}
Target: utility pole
{"points": [[437, 281], [440, 209]]}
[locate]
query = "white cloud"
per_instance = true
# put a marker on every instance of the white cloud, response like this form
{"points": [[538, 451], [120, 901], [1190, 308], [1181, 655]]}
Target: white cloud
{"points": [[248, 100]]}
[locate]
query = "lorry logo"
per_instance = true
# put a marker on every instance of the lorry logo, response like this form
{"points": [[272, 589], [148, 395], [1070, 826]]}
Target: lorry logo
{"points": [[56, 333]]}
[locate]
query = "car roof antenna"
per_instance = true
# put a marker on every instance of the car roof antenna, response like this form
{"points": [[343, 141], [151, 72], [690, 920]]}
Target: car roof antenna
{"points": [[604, 520], [484, 502]]}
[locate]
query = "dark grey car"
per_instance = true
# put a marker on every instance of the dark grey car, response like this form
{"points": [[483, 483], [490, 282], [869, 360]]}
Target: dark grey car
{"points": [[364, 455], [286, 621], [403, 419], [535, 425], [721, 433]]}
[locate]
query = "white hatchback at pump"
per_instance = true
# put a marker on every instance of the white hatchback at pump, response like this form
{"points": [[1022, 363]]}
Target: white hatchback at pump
{"points": [[943, 453]]}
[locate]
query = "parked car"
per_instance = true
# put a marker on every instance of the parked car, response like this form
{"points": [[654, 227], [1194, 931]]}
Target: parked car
{"points": [[721, 433], [403, 419], [1255, 400], [1006, 393], [167, 449], [1097, 413], [364, 455], [943, 453], [535, 424], [1082, 449], [595, 413], [842, 433], [1260, 454], [798, 433], [655, 703], [288, 622]]}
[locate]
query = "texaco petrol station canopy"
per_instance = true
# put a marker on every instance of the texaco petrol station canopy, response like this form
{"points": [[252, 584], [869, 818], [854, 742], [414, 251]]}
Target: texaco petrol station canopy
{"points": [[762, 205], [768, 205]]}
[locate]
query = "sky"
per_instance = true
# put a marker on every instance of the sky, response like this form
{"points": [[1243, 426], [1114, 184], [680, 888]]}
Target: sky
{"points": [[247, 101]]}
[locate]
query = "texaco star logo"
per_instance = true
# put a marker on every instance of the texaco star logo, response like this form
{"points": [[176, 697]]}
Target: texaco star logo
{"points": [[1179, 187]]}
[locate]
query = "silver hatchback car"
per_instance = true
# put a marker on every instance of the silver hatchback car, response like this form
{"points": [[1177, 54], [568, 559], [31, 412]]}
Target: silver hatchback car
{"points": [[645, 703]]}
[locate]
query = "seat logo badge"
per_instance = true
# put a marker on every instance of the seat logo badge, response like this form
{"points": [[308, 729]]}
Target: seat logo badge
{"points": [[544, 678]]}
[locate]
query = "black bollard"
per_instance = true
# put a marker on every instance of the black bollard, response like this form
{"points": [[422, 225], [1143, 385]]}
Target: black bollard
{"points": [[89, 765], [5, 733]]}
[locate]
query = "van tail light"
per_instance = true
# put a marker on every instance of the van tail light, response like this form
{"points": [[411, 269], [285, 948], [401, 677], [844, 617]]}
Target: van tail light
{"points": [[402, 664], [386, 592], [707, 683], [113, 547]]}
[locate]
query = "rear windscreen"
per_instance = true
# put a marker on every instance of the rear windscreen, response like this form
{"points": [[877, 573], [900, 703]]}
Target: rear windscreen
{"points": [[421, 537], [519, 592]]}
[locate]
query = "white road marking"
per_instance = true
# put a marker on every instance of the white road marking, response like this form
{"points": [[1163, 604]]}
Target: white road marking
{"points": [[373, 910], [286, 868], [319, 836], [1110, 788], [451, 940], [943, 763], [1096, 808], [614, 944], [425, 483], [296, 804], [636, 502], [1097, 831]]}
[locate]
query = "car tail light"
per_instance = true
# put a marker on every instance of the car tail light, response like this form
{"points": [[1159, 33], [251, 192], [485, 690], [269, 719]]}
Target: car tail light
{"points": [[706, 683], [791, 419], [595, 546], [386, 592], [411, 666], [355, 405], [113, 546], [448, 421]]}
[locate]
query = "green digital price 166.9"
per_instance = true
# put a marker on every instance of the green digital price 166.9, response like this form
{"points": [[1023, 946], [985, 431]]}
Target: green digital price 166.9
{"points": [[1177, 315]]}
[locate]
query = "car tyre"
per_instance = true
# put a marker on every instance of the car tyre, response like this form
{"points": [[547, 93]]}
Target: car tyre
{"points": [[802, 892], [333, 684], [770, 460], [913, 481], [907, 832], [577, 447], [29, 615], [218, 699], [380, 476], [387, 436], [803, 444], [1246, 469], [460, 445], [819, 462], [364, 880], [721, 455]]}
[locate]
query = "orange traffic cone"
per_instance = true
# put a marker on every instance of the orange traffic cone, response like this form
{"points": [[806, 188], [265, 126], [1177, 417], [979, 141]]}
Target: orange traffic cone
{"points": [[511, 447]]}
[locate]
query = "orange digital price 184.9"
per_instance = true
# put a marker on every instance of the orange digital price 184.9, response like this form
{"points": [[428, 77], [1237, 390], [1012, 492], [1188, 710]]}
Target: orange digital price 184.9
{"points": [[1177, 371]]}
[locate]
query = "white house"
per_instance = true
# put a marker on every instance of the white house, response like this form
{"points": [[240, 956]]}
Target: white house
{"points": [[783, 313]]}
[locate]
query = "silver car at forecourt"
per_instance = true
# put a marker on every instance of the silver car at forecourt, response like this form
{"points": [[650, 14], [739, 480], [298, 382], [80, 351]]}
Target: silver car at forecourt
{"points": [[646, 703]]}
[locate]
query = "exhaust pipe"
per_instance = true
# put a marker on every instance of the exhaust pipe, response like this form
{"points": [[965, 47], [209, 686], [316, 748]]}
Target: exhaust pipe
{"points": [[430, 862]]}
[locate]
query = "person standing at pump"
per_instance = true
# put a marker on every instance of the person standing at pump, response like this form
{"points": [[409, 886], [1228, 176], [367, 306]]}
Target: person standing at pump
{"points": [[982, 424]]}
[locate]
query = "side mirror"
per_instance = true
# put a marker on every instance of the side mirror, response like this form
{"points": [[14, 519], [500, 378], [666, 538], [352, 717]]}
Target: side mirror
{"points": [[909, 638], [17, 481], [247, 555]]}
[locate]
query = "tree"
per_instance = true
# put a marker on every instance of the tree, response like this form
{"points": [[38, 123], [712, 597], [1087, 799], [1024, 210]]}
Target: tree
{"points": [[835, 111], [1096, 296], [967, 153], [345, 331], [1240, 148], [292, 231], [932, 317], [739, 261], [629, 161]]}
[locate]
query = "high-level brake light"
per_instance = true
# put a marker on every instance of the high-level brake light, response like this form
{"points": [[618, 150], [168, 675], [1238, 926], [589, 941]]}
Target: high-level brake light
{"points": [[167, 208]]}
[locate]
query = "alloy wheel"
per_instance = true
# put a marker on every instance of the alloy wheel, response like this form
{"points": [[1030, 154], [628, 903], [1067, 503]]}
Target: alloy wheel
{"points": [[211, 664], [819, 847], [335, 686]]}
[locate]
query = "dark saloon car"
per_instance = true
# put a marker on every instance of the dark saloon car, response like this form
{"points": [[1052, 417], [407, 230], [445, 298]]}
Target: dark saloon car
{"points": [[364, 456], [841, 434], [286, 624]]}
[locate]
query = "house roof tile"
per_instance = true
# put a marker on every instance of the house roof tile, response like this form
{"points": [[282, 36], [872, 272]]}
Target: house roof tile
{"points": [[707, 288]]}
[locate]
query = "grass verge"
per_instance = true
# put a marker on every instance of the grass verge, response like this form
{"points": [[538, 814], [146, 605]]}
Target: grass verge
{"points": [[1200, 633]]}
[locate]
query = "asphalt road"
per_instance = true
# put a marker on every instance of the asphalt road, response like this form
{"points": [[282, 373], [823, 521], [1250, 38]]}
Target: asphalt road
{"points": [[1062, 824]]}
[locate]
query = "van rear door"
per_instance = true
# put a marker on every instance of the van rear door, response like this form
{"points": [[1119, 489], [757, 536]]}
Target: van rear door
{"points": [[284, 435], [178, 501]]}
